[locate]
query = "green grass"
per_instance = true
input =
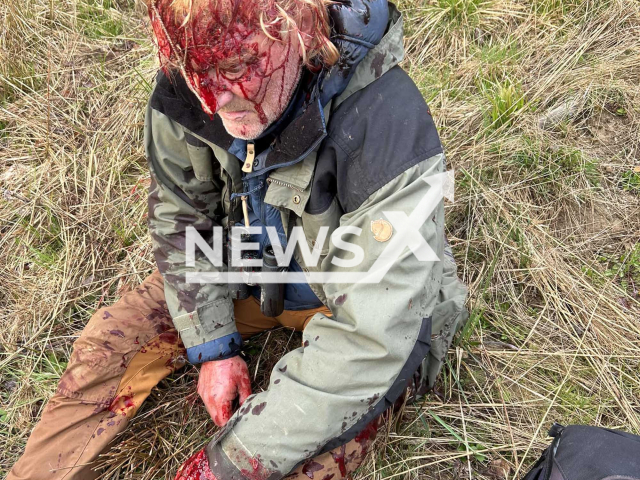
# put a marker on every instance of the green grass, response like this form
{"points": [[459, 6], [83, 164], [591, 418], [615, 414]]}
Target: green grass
{"points": [[18, 77], [461, 12], [505, 100], [624, 268], [498, 61], [100, 19], [630, 182], [560, 167]]}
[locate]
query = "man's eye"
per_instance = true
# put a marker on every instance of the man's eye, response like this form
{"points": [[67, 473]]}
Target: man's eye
{"points": [[234, 72]]}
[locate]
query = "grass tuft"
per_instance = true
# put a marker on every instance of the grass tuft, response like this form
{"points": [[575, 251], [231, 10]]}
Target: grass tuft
{"points": [[460, 13], [506, 99], [100, 19]]}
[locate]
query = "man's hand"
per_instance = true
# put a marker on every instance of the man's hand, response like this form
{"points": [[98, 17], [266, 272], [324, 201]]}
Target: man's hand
{"points": [[220, 382]]}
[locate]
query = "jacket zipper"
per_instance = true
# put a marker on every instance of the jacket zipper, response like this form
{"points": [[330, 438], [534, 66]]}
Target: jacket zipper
{"points": [[284, 184]]}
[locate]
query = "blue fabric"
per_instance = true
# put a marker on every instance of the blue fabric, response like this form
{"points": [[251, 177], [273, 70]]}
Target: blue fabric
{"points": [[297, 296], [218, 349], [239, 148], [357, 27]]}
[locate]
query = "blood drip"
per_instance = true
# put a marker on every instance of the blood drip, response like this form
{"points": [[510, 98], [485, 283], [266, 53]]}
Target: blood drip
{"points": [[366, 437], [122, 403], [220, 36], [196, 468], [338, 457]]}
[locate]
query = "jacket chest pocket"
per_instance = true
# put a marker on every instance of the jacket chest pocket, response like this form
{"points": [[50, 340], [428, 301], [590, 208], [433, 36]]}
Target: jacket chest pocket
{"points": [[318, 229], [208, 186], [202, 161], [316, 225]]}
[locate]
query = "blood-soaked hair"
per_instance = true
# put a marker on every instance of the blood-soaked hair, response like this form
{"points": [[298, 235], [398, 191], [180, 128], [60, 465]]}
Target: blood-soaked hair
{"points": [[195, 36], [180, 26]]}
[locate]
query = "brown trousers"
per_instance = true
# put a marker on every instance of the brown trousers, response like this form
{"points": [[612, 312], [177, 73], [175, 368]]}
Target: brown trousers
{"points": [[123, 352]]}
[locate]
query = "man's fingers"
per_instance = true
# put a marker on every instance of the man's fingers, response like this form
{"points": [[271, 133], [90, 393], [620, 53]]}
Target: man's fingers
{"points": [[244, 390], [216, 413], [219, 421], [212, 411], [223, 385], [224, 414]]}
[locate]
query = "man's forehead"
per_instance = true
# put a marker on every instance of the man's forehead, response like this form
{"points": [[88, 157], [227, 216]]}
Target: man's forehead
{"points": [[221, 12], [202, 35]]}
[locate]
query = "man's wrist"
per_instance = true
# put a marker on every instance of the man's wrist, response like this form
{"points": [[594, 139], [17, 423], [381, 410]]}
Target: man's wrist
{"points": [[218, 349]]}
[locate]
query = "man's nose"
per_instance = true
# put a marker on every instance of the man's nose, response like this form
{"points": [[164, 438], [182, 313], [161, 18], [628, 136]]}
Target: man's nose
{"points": [[224, 98]]}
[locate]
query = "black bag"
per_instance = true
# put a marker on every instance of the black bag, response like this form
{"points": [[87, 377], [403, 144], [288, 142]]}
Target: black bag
{"points": [[580, 452]]}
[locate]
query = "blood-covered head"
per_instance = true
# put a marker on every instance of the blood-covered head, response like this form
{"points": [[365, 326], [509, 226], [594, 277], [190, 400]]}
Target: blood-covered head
{"points": [[242, 58]]}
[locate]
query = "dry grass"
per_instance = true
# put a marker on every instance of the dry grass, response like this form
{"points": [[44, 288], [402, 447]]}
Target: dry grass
{"points": [[545, 224]]}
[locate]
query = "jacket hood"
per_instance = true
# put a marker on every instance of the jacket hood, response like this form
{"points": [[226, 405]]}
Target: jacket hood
{"points": [[370, 63], [357, 27]]}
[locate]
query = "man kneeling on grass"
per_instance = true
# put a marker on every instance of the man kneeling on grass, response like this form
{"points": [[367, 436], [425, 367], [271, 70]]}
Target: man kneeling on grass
{"points": [[293, 117]]}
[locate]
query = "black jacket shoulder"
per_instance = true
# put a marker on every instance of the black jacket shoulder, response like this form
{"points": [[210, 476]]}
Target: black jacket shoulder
{"points": [[373, 136]]}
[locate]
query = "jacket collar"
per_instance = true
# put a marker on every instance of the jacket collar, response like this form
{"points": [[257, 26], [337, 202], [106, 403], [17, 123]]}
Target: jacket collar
{"points": [[173, 98]]}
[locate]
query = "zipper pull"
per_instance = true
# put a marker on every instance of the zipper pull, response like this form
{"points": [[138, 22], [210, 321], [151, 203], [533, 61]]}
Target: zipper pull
{"points": [[245, 210], [251, 153]]}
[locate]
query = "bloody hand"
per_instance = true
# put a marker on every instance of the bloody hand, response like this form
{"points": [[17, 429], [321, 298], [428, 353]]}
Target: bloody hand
{"points": [[220, 382]]}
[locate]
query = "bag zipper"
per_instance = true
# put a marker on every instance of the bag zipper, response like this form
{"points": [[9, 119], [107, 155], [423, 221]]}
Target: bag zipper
{"points": [[556, 432]]}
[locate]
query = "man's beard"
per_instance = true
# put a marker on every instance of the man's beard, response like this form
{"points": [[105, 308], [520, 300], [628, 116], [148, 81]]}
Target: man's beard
{"points": [[273, 106]]}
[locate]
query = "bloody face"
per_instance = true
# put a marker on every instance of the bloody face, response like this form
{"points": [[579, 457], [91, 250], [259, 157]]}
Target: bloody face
{"points": [[228, 61]]}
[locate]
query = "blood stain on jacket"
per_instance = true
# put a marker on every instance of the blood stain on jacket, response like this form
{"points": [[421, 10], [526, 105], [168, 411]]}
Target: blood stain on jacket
{"points": [[122, 403], [163, 327], [257, 410], [170, 337], [366, 437], [372, 400], [158, 314]]}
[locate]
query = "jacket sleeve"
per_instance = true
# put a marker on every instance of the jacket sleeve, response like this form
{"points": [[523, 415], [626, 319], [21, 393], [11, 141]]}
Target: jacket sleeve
{"points": [[202, 313], [355, 364]]}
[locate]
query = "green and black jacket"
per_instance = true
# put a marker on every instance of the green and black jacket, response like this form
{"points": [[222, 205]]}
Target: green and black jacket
{"points": [[372, 149]]}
